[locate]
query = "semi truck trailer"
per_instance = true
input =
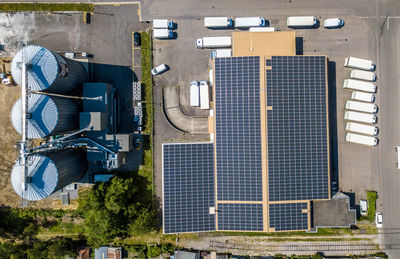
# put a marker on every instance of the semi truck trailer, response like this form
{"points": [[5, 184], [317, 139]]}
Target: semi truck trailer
{"points": [[218, 22], [362, 128], [359, 85], [363, 75], [246, 22], [214, 42], [361, 139], [359, 63], [360, 117], [361, 96], [301, 21], [204, 96], [361, 106]]}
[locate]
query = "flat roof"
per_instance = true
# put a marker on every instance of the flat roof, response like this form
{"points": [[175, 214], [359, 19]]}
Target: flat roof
{"points": [[277, 43]]}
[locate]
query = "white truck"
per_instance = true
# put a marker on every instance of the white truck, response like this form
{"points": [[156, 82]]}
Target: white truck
{"points": [[362, 128], [359, 63], [258, 29], [363, 75], [204, 96], [163, 34], [221, 53], [397, 149], [360, 117], [301, 21], [246, 22], [214, 42], [162, 24], [194, 93], [218, 22], [361, 139], [354, 84], [361, 106], [365, 97]]}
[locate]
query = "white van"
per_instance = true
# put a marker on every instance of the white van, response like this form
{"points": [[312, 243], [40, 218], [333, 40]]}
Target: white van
{"points": [[363, 207], [301, 21], [333, 23]]}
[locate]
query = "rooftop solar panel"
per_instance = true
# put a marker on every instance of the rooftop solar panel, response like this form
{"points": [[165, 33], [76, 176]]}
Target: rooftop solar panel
{"points": [[188, 187], [238, 130], [288, 216], [242, 217], [297, 128]]}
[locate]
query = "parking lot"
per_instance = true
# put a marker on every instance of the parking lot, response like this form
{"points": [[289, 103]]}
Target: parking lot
{"points": [[354, 167]]}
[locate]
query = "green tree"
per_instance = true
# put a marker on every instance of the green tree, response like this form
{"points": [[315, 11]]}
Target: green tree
{"points": [[146, 222]]}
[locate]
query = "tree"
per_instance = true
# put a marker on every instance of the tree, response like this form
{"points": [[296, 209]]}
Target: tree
{"points": [[146, 222]]}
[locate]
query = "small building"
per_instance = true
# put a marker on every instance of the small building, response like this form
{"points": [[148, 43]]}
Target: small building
{"points": [[106, 252], [179, 254]]}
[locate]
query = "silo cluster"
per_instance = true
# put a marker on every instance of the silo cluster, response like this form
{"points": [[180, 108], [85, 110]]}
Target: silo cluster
{"points": [[46, 115]]}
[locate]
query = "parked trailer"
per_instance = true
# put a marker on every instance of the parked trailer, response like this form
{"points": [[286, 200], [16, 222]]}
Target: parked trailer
{"points": [[204, 96], [363, 75], [362, 128], [260, 29], [360, 117], [301, 21], [246, 22], [398, 156], [359, 63], [218, 22], [354, 84], [214, 42], [365, 97], [162, 24], [221, 53], [360, 106], [194, 93], [361, 139], [163, 34]]}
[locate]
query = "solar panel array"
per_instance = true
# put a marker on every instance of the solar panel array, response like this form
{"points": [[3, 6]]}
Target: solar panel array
{"points": [[242, 217], [288, 216], [297, 128], [188, 187], [238, 128]]}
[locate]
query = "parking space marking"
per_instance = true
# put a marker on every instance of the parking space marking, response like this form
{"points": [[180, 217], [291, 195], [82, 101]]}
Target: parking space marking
{"points": [[133, 54]]}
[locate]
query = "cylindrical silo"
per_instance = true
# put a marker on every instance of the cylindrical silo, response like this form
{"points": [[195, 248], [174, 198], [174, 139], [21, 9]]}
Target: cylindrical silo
{"points": [[47, 115], [48, 71], [48, 173]]}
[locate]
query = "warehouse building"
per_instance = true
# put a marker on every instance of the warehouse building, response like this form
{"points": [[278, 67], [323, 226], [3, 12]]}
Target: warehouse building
{"points": [[269, 160]]}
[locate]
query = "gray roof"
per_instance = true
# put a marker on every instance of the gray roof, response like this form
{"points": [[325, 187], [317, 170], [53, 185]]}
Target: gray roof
{"points": [[186, 255]]}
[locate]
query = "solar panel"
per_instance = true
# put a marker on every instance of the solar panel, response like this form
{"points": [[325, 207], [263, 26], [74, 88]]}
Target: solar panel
{"points": [[188, 187], [288, 216], [238, 128], [297, 128], [242, 217]]}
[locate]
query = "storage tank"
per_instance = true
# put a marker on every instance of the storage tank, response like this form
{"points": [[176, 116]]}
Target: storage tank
{"points": [[48, 173], [47, 115], [48, 71]]}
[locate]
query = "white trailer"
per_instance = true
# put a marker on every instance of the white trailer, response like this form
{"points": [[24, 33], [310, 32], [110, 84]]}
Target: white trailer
{"points": [[221, 53], [204, 96], [363, 75], [163, 34], [354, 84], [194, 94], [361, 106], [260, 29], [162, 24], [214, 42], [362, 128], [301, 21], [361, 139], [246, 22], [398, 156], [360, 117], [217, 22], [359, 63], [365, 97]]}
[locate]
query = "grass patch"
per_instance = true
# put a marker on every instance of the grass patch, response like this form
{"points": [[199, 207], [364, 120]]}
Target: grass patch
{"points": [[39, 7], [62, 228], [372, 196]]}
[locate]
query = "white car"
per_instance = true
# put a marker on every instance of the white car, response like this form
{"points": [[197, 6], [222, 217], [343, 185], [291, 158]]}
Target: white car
{"points": [[159, 69], [378, 219], [333, 23], [363, 207]]}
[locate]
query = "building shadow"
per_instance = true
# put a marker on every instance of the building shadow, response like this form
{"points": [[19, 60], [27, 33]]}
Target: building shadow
{"points": [[299, 45]]}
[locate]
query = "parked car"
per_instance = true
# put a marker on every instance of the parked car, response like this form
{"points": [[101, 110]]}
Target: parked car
{"points": [[363, 207], [136, 38], [378, 219], [159, 69], [333, 23]]}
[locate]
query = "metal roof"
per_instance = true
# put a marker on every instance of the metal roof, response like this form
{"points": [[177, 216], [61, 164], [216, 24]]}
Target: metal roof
{"points": [[44, 68], [44, 175], [44, 116]]}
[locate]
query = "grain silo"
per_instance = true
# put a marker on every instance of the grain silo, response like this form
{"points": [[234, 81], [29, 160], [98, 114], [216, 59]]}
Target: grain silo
{"points": [[48, 173], [48, 71], [47, 115]]}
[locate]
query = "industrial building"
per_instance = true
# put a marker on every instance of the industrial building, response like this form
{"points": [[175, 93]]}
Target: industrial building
{"points": [[268, 164], [76, 122]]}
